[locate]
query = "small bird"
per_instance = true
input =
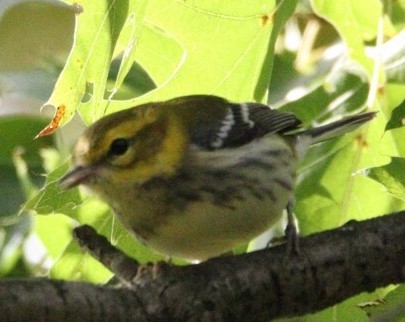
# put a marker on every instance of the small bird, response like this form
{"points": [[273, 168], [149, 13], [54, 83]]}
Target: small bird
{"points": [[196, 176]]}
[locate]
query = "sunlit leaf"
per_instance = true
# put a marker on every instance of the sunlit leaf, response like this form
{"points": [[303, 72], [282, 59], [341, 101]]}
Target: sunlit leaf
{"points": [[331, 189], [239, 71], [393, 53], [98, 26], [131, 28], [354, 24], [54, 232], [392, 176], [391, 308], [51, 198]]}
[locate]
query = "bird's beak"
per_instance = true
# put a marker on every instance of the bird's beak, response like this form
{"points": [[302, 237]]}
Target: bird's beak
{"points": [[77, 176]]}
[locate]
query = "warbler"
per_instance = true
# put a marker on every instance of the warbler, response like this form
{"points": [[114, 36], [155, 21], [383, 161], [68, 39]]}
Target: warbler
{"points": [[195, 176]]}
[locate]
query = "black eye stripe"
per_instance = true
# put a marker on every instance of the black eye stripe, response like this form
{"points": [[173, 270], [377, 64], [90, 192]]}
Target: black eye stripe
{"points": [[118, 147]]}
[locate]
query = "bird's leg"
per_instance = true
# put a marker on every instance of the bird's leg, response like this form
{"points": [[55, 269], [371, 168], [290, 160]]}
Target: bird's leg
{"points": [[291, 231]]}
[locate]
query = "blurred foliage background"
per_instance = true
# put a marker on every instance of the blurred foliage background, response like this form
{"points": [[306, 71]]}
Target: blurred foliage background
{"points": [[320, 59]]}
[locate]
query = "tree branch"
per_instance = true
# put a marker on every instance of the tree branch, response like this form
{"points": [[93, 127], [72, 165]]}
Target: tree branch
{"points": [[256, 286]]}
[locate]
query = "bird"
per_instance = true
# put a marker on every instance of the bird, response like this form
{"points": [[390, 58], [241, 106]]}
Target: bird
{"points": [[196, 176]]}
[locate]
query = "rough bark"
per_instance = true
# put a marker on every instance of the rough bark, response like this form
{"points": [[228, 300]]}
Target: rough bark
{"points": [[332, 266]]}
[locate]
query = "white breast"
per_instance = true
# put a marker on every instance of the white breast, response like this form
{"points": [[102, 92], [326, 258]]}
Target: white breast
{"points": [[248, 200]]}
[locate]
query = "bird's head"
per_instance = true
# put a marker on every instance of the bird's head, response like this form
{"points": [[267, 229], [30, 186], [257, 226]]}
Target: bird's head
{"points": [[127, 147]]}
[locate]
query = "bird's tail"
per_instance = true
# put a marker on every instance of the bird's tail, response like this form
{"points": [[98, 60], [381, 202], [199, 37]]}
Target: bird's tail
{"points": [[331, 130], [338, 128]]}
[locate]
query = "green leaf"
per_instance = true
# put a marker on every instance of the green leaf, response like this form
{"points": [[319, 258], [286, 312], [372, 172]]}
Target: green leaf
{"points": [[394, 95], [208, 33], [397, 13], [160, 65], [130, 31], [341, 91], [397, 118], [234, 43], [16, 137], [331, 189], [74, 264], [284, 11], [79, 266], [19, 131], [392, 176], [98, 26], [391, 308], [54, 232], [136, 83], [354, 24], [392, 55], [51, 198]]}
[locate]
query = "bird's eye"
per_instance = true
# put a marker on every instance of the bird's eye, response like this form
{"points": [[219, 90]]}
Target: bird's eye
{"points": [[119, 147]]}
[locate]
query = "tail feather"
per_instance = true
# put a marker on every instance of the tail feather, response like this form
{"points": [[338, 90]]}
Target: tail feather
{"points": [[335, 129], [329, 131]]}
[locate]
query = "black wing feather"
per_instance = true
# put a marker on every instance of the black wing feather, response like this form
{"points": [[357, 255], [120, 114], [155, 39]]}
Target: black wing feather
{"points": [[241, 124]]}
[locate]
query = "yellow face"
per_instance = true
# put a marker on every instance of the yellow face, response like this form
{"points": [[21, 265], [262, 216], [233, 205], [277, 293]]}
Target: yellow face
{"points": [[128, 147]]}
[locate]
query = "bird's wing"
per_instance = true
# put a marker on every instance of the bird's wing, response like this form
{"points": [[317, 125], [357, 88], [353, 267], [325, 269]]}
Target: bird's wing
{"points": [[221, 124]]}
